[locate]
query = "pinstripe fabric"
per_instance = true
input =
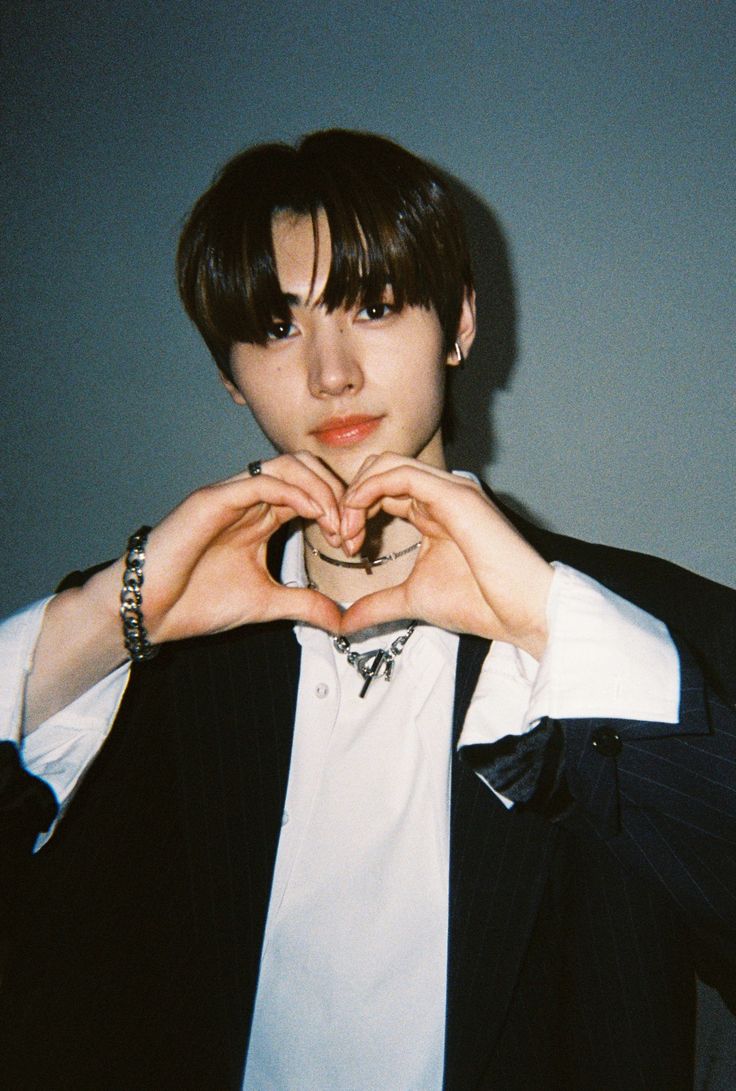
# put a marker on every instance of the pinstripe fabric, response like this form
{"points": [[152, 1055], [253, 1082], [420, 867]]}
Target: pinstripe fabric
{"points": [[138, 953], [591, 984], [604, 997], [570, 963]]}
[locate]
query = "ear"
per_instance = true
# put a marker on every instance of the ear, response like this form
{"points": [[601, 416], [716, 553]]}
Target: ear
{"points": [[231, 388], [465, 330]]}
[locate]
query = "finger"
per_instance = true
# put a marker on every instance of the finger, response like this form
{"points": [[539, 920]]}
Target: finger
{"points": [[305, 470], [407, 482], [275, 493], [216, 508], [353, 520], [365, 467], [301, 604], [353, 517], [323, 471], [410, 471], [353, 527], [389, 605], [388, 460]]}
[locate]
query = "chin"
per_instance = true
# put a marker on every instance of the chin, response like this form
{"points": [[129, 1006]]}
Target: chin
{"points": [[346, 467]]}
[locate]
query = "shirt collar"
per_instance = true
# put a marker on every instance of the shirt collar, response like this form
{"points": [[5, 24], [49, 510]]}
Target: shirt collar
{"points": [[293, 568]]}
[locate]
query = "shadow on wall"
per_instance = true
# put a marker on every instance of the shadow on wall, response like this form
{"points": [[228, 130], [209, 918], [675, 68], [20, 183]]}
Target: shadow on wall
{"points": [[468, 421], [467, 425]]}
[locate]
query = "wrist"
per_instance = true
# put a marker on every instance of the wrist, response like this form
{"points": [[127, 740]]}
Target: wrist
{"points": [[535, 635], [135, 635], [98, 603]]}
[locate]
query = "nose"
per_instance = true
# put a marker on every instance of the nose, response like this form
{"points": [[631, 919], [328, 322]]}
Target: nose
{"points": [[334, 368]]}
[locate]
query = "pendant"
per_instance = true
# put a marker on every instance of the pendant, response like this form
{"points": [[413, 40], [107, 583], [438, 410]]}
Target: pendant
{"points": [[376, 663], [369, 667]]}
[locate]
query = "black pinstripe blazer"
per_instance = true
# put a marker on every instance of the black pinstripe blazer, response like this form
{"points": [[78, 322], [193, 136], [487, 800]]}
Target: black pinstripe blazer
{"points": [[573, 944]]}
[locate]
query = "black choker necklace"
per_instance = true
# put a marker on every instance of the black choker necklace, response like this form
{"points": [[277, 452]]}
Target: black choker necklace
{"points": [[366, 564], [378, 662]]}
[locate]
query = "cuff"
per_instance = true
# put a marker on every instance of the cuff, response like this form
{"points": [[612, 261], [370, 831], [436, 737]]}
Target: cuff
{"points": [[605, 658], [18, 638], [61, 749]]}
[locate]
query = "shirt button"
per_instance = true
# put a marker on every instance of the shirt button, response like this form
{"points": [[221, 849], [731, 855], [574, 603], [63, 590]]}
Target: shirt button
{"points": [[322, 690], [284, 818]]}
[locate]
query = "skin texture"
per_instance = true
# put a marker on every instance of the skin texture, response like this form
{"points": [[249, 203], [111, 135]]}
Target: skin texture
{"points": [[353, 399]]}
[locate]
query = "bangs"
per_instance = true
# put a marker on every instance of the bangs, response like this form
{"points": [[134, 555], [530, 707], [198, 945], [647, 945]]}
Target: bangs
{"points": [[388, 222]]}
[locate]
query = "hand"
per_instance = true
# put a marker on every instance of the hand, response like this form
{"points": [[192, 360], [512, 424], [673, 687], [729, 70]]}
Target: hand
{"points": [[205, 567], [205, 572], [474, 573]]}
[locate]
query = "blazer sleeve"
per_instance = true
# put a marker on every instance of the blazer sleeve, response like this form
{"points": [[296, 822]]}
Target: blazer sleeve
{"points": [[661, 797], [27, 808]]}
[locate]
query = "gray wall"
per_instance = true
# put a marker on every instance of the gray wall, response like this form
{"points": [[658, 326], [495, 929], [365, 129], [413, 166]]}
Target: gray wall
{"points": [[601, 134]]}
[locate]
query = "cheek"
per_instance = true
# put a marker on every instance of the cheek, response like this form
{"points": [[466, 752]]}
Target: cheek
{"points": [[421, 397], [432, 388], [275, 426], [274, 411]]}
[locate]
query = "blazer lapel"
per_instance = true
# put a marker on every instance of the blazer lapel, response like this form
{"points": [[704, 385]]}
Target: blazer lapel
{"points": [[234, 774], [497, 874]]}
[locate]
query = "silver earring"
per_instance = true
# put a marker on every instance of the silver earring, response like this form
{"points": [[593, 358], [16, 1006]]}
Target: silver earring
{"points": [[459, 353]]}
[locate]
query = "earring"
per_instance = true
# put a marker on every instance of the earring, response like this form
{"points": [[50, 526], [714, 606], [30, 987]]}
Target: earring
{"points": [[459, 353]]}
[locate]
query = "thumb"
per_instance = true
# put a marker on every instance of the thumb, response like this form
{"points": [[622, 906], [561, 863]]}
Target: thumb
{"points": [[308, 606], [388, 605]]}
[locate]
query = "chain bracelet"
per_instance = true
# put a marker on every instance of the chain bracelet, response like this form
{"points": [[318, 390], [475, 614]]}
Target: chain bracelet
{"points": [[135, 637]]}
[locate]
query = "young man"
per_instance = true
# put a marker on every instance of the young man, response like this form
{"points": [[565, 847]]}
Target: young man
{"points": [[331, 836]]}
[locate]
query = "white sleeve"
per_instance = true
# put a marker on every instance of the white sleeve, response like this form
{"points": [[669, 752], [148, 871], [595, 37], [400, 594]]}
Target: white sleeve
{"points": [[59, 750], [18, 636], [604, 658]]}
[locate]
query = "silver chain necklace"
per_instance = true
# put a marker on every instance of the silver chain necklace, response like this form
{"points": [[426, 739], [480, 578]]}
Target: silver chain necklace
{"points": [[376, 663]]}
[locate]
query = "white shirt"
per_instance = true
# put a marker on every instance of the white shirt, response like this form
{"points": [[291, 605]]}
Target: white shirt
{"points": [[355, 948]]}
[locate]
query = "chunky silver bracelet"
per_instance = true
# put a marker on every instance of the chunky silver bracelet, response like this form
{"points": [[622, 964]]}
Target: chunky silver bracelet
{"points": [[135, 636]]}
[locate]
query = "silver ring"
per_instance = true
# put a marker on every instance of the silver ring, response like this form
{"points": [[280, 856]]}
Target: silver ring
{"points": [[254, 468]]}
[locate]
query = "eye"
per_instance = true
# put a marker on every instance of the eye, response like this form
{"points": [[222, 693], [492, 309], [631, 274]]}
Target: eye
{"points": [[373, 312], [280, 329]]}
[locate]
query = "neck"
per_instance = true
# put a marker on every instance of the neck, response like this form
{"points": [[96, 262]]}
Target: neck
{"points": [[384, 535]]}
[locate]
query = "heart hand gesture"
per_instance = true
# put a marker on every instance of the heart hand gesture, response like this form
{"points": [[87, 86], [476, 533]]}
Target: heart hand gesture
{"points": [[474, 572]]}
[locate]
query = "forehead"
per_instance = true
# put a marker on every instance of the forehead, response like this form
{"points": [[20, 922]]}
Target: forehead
{"points": [[303, 253]]}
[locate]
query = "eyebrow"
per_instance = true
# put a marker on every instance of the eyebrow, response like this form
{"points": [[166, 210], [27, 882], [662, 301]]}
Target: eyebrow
{"points": [[289, 300], [292, 300]]}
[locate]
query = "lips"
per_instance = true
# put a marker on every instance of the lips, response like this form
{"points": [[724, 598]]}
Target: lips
{"points": [[346, 431]]}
